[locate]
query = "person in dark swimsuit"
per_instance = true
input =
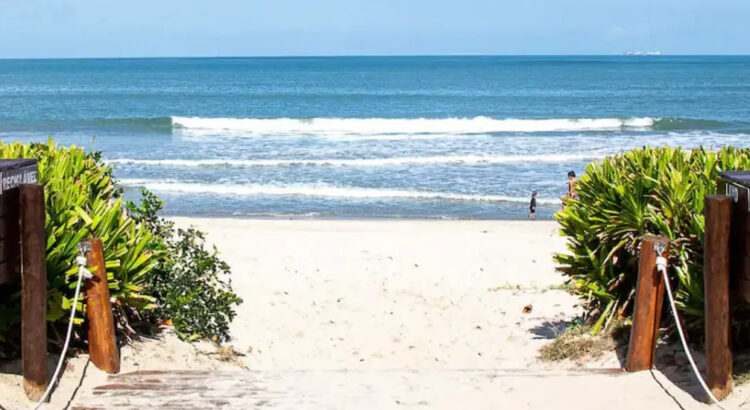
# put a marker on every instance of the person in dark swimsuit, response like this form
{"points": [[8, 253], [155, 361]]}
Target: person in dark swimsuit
{"points": [[572, 185], [572, 193], [532, 206]]}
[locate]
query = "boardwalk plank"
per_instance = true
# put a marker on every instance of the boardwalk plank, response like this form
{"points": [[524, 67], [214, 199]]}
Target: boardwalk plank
{"points": [[351, 390]]}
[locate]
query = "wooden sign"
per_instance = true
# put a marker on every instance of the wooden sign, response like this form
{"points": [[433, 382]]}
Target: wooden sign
{"points": [[736, 184], [13, 172]]}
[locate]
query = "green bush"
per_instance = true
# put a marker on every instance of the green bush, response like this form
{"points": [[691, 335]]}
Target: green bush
{"points": [[650, 190], [192, 284], [144, 256]]}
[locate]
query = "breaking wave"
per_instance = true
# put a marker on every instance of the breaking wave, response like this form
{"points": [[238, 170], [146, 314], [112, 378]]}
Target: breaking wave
{"points": [[316, 190], [385, 128], [380, 126], [359, 162]]}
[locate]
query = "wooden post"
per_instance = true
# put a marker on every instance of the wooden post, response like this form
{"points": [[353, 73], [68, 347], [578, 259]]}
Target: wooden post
{"points": [[33, 291], [718, 209], [649, 298], [102, 341]]}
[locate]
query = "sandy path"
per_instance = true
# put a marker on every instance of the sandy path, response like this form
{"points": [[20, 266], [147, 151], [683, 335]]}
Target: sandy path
{"points": [[394, 314], [428, 300], [392, 294]]}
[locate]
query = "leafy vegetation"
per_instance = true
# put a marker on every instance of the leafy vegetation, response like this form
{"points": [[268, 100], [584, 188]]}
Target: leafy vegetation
{"points": [[649, 190], [82, 201], [192, 284]]}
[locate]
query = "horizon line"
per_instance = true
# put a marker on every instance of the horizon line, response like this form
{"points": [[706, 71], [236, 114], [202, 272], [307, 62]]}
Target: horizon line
{"points": [[290, 56]]}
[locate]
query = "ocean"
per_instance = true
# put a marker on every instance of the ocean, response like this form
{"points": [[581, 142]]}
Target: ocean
{"points": [[370, 137]]}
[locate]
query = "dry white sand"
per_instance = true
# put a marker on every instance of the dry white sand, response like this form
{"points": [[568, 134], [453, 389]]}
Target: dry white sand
{"points": [[392, 294]]}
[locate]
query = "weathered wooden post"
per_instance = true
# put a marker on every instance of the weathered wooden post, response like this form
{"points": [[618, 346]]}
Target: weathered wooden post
{"points": [[33, 291], [101, 335], [718, 210], [649, 298]]}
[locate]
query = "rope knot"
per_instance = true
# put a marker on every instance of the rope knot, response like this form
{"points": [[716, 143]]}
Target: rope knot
{"points": [[82, 269]]}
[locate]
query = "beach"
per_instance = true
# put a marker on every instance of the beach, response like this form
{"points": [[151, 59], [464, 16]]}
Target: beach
{"points": [[373, 211], [385, 299], [439, 314], [390, 313]]}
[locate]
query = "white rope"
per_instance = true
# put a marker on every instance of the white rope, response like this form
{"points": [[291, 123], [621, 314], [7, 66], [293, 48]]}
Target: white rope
{"points": [[661, 265], [83, 272]]}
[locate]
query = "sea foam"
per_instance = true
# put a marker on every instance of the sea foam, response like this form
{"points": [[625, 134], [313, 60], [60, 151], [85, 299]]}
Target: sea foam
{"points": [[359, 162], [316, 190], [409, 126]]}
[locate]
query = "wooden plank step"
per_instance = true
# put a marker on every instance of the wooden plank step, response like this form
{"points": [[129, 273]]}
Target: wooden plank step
{"points": [[322, 389]]}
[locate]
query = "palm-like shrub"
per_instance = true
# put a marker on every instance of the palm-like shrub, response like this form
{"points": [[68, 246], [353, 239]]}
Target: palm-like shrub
{"points": [[649, 190], [154, 271], [82, 202]]}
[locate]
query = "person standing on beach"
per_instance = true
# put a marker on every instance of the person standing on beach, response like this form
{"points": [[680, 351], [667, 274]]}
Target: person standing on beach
{"points": [[532, 206], [572, 194]]}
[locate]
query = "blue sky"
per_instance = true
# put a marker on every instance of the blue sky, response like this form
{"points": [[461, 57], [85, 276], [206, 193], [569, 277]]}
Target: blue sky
{"points": [[138, 28]]}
